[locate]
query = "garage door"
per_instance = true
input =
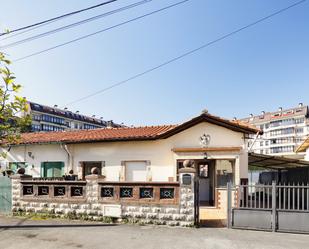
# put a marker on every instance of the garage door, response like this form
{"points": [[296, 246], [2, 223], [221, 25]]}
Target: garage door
{"points": [[136, 171]]}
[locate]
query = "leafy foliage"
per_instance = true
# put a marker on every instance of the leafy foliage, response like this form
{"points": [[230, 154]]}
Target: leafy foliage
{"points": [[13, 108]]}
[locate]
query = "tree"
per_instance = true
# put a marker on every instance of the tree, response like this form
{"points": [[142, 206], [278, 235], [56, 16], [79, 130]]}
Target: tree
{"points": [[13, 109]]}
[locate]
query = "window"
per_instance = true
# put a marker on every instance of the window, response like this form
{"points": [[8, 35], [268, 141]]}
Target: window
{"points": [[299, 130], [224, 172], [299, 140], [282, 149], [36, 117], [299, 120], [261, 144], [46, 127], [179, 166], [89, 127], [276, 115], [53, 119], [136, 171], [35, 127], [284, 140], [87, 166], [282, 131], [14, 166], [203, 170], [52, 169]]}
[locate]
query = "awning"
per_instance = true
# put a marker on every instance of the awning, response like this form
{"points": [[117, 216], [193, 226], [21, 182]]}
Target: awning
{"points": [[275, 162], [303, 147]]}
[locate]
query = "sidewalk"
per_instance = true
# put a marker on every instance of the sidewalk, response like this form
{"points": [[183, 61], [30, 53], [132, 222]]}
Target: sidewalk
{"points": [[22, 222], [72, 235]]}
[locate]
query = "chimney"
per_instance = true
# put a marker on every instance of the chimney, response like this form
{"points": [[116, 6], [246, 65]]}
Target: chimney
{"points": [[65, 108], [77, 112], [300, 104], [280, 109], [55, 106], [251, 115], [110, 124], [101, 118], [234, 119], [93, 116], [263, 112], [204, 111]]}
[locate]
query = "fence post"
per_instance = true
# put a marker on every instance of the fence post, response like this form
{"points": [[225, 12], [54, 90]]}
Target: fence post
{"points": [[274, 213], [229, 205]]}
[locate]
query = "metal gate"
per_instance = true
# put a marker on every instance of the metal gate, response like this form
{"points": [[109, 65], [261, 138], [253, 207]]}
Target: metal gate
{"points": [[5, 195], [283, 208], [196, 202]]}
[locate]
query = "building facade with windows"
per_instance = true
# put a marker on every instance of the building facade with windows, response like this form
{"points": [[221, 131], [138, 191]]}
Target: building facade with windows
{"points": [[46, 118], [283, 131], [216, 149]]}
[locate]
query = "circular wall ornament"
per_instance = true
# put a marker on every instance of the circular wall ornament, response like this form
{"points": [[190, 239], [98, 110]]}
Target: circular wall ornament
{"points": [[204, 140]]}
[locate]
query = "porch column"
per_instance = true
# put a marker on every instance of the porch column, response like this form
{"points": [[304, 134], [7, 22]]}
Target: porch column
{"points": [[92, 187]]}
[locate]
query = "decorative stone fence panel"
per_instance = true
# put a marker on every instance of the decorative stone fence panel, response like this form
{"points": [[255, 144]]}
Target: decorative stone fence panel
{"points": [[170, 203]]}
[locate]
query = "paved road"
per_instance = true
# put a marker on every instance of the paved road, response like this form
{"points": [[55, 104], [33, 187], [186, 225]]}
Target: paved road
{"points": [[139, 237]]}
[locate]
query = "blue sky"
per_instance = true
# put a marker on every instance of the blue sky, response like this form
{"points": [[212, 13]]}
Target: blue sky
{"points": [[261, 68]]}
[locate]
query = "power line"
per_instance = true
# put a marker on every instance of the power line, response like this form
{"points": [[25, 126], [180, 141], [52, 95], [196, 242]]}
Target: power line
{"points": [[13, 44], [101, 31], [58, 17], [187, 53]]}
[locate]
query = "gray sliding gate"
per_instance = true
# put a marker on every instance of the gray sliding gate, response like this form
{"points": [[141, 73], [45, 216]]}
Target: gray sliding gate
{"points": [[282, 208], [5, 195]]}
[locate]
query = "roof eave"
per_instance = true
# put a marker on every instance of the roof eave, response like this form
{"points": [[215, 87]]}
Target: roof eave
{"points": [[211, 119], [87, 141]]}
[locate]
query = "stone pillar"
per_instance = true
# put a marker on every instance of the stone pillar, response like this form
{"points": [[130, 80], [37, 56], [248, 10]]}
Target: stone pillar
{"points": [[187, 194], [17, 190], [92, 189]]}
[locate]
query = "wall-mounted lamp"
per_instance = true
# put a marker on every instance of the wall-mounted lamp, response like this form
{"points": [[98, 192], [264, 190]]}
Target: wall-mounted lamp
{"points": [[205, 155]]}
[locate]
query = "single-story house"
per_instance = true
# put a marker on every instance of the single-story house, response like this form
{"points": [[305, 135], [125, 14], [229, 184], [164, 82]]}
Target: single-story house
{"points": [[217, 146]]}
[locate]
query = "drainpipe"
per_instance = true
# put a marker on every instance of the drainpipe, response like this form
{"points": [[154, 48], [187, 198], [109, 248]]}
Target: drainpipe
{"points": [[256, 137], [65, 147]]}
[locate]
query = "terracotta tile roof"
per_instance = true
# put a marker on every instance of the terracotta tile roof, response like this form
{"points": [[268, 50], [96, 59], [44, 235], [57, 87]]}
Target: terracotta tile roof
{"points": [[103, 134], [131, 134]]}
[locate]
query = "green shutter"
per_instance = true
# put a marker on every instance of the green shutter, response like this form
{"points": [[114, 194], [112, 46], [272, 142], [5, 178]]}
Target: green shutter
{"points": [[13, 166], [52, 169], [42, 170], [62, 168], [49, 170]]}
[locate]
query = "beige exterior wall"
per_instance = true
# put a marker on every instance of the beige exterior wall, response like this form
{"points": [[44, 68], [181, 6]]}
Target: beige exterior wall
{"points": [[158, 152]]}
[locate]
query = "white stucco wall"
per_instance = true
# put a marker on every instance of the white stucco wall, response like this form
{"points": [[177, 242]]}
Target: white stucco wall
{"points": [[158, 152]]}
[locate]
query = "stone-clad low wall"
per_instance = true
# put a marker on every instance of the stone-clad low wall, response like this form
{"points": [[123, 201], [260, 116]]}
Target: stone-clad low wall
{"points": [[144, 202]]}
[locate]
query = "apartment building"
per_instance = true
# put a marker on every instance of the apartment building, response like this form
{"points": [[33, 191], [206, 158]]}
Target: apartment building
{"points": [[284, 130], [46, 118]]}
